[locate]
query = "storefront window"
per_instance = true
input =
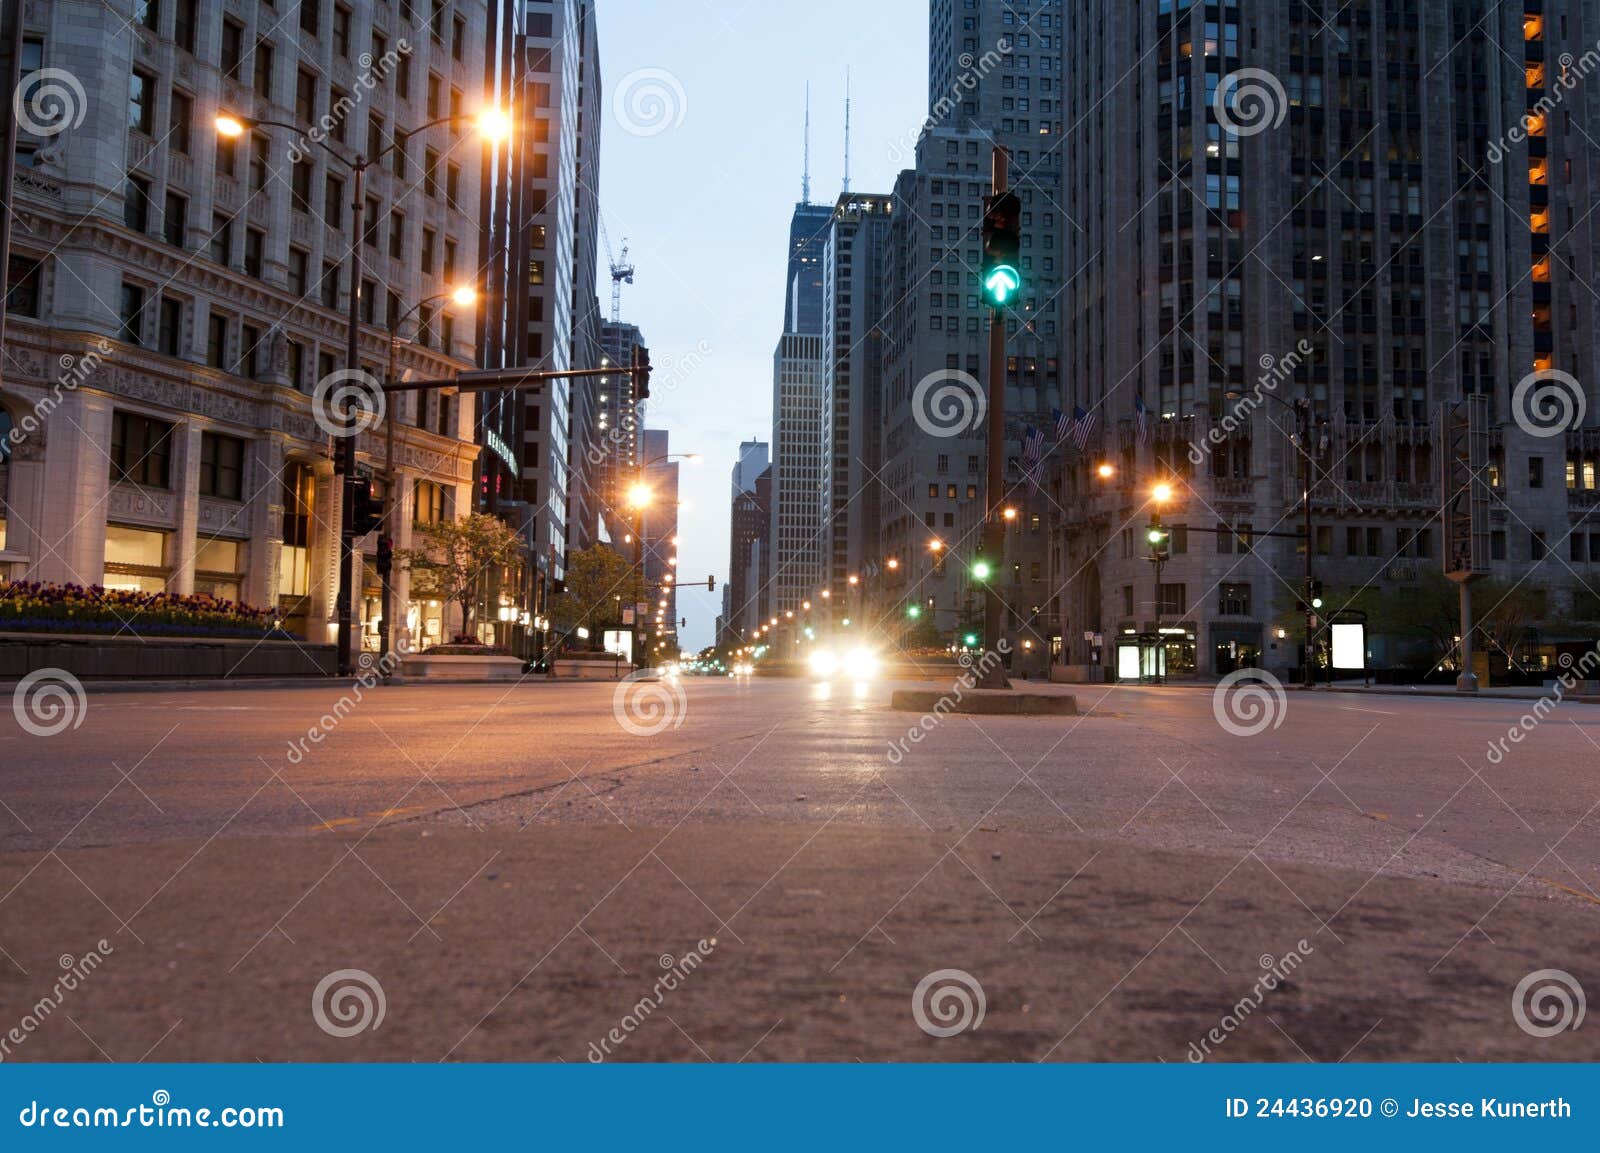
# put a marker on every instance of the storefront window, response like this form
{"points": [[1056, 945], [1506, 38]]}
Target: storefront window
{"points": [[299, 501], [136, 559], [218, 568]]}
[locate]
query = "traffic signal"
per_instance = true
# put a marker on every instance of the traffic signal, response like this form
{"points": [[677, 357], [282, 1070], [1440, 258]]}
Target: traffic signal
{"points": [[711, 584], [970, 640], [641, 372], [1316, 594], [982, 570], [1000, 277], [385, 555], [914, 612], [366, 508], [1160, 539]]}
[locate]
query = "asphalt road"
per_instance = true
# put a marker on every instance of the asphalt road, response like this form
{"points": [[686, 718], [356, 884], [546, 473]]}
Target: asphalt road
{"points": [[513, 860]]}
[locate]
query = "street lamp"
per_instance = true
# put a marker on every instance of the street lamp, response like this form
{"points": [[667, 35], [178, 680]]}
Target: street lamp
{"points": [[494, 125]]}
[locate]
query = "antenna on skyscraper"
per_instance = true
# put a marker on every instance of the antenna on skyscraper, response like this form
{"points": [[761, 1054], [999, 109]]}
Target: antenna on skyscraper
{"points": [[805, 179], [847, 131]]}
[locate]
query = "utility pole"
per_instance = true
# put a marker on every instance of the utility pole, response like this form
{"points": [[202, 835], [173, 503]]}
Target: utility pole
{"points": [[346, 467], [994, 528], [1306, 429]]}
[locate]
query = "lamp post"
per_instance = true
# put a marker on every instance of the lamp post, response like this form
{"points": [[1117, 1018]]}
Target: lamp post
{"points": [[464, 296], [494, 125]]}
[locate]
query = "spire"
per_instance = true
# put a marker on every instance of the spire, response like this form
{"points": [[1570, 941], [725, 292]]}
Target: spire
{"points": [[805, 179], [847, 130]]}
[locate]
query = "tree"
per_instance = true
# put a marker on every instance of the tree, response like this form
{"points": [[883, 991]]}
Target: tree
{"points": [[600, 583], [457, 557]]}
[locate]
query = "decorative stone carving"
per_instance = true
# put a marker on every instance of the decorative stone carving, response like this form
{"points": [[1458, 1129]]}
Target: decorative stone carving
{"points": [[140, 506]]}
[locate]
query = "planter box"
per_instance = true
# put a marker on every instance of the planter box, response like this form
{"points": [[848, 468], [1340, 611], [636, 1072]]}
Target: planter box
{"points": [[589, 669], [488, 667], [91, 658]]}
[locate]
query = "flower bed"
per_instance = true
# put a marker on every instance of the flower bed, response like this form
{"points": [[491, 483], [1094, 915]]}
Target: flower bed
{"points": [[26, 606]]}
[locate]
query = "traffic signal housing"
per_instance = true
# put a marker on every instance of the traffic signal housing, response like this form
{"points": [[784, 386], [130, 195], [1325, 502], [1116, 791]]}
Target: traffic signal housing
{"points": [[1160, 539], [366, 507], [1001, 276], [641, 372]]}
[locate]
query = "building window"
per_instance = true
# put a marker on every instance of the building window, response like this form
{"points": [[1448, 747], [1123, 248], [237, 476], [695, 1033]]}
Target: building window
{"points": [[175, 220], [221, 238], [184, 25], [221, 466], [140, 450], [330, 285], [1174, 600], [299, 271], [217, 340], [341, 30], [218, 568], [254, 243], [131, 314], [397, 235], [333, 202], [305, 94], [297, 365], [169, 336], [141, 101], [308, 16], [232, 56], [1234, 600], [299, 511], [22, 286], [263, 72], [180, 118], [147, 13], [136, 560], [429, 503], [252, 353], [136, 203], [260, 148]]}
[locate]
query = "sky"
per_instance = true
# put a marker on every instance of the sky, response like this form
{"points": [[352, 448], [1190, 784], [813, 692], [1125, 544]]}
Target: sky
{"points": [[700, 169]]}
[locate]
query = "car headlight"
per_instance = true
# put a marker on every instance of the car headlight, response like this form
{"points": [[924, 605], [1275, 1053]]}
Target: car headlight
{"points": [[824, 663], [863, 663]]}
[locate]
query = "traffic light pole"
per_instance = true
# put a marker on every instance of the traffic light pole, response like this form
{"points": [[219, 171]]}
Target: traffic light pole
{"points": [[994, 676], [1309, 670]]}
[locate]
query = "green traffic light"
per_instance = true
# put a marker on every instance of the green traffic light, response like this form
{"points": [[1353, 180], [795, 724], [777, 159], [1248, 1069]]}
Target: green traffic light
{"points": [[981, 570], [970, 640], [914, 612], [1157, 536], [1001, 284]]}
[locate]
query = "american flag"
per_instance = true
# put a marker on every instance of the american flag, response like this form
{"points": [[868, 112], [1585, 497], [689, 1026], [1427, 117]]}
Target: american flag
{"points": [[1141, 416], [1083, 425], [1063, 424], [1033, 445]]}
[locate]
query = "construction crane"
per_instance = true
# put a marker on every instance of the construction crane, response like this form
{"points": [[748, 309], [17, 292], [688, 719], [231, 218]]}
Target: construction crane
{"points": [[621, 272]]}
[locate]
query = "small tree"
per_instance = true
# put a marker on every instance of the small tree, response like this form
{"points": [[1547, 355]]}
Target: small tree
{"points": [[457, 557], [600, 583]]}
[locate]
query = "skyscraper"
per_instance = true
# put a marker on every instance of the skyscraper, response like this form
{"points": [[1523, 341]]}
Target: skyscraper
{"points": [[1399, 221]]}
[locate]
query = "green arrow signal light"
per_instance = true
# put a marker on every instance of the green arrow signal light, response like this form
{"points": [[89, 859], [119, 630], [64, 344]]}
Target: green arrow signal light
{"points": [[1002, 283]]}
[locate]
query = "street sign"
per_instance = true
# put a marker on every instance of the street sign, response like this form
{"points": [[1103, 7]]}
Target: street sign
{"points": [[1464, 483]]}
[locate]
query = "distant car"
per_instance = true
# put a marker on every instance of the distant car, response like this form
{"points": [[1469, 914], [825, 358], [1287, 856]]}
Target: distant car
{"points": [[857, 664]]}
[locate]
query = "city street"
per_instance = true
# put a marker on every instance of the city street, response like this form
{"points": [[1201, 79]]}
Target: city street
{"points": [[516, 866]]}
